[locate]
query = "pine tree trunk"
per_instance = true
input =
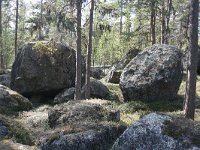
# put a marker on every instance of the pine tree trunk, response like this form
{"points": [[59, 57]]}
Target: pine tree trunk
{"points": [[78, 52], [153, 23], [1, 38], [121, 15], [41, 20], [16, 26], [163, 26], [169, 5], [190, 95], [89, 53]]}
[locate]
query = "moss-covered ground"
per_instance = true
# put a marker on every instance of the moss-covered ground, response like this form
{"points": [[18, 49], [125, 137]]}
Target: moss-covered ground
{"points": [[20, 132]]}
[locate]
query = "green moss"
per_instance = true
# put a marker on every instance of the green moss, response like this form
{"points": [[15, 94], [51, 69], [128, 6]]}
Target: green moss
{"points": [[15, 131], [45, 49], [24, 104], [171, 130], [181, 127], [18, 133], [52, 138]]}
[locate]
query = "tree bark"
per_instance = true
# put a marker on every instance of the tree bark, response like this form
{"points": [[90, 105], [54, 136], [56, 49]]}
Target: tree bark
{"points": [[121, 16], [16, 26], [153, 23], [78, 52], [169, 5], [1, 38], [41, 21], [190, 94], [163, 26], [89, 53]]}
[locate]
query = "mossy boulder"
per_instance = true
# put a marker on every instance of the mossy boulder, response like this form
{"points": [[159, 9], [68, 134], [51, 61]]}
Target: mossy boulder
{"points": [[43, 68], [11, 100], [150, 133]]}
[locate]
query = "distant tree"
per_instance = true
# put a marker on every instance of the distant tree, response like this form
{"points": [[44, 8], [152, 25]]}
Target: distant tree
{"points": [[41, 21], [78, 51], [190, 94], [89, 52], [16, 26], [153, 21], [1, 37]]}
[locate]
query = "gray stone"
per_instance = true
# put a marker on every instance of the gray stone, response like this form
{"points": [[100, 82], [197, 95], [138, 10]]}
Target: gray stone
{"points": [[100, 139], [97, 90], [147, 134], [113, 75], [154, 74], [11, 100], [114, 116], [3, 130], [40, 72], [96, 73], [65, 95], [115, 72], [5, 79]]}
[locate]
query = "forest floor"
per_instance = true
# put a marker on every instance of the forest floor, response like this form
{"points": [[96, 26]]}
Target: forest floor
{"points": [[129, 113], [134, 110]]}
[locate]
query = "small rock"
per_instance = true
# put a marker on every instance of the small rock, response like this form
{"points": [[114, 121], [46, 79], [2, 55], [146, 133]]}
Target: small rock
{"points": [[64, 96], [5, 79], [97, 90], [114, 116], [96, 73], [3, 130], [53, 116]]}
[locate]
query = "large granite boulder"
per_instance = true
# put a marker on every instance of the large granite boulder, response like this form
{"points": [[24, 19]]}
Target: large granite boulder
{"points": [[11, 100], [100, 139], [150, 133], [114, 73], [43, 68], [154, 74]]}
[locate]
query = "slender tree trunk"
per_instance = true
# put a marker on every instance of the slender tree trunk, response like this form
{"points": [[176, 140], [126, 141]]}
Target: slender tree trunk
{"points": [[1, 37], [163, 27], [190, 95], [153, 23], [41, 21], [121, 16], [167, 32], [16, 25], [78, 52], [89, 53]]}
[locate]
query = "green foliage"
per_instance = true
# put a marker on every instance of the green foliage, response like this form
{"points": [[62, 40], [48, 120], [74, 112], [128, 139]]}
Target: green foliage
{"points": [[111, 47]]}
